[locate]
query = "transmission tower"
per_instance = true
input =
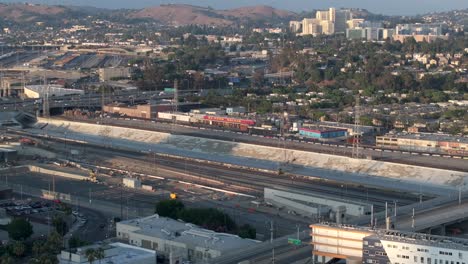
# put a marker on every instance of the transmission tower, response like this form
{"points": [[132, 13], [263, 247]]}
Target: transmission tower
{"points": [[176, 96], [45, 99], [357, 128]]}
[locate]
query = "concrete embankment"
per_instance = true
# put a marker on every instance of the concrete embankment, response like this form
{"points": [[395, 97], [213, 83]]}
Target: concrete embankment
{"points": [[263, 157]]}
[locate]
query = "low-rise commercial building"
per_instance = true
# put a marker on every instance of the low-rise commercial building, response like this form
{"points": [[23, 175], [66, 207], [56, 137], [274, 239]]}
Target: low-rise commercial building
{"points": [[116, 253], [322, 133], [425, 142], [178, 240]]}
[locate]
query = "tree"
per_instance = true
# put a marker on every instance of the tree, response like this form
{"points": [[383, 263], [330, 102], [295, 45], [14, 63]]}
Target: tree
{"points": [[45, 259], [19, 229], [247, 231], [18, 248], [38, 248], [99, 254], [90, 253], [169, 208], [6, 259], [54, 242], [75, 242], [60, 225], [258, 79]]}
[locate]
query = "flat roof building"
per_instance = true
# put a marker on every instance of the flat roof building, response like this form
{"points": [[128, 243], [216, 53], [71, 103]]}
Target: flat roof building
{"points": [[318, 132], [147, 111], [40, 91], [379, 246], [182, 241], [115, 253], [425, 142]]}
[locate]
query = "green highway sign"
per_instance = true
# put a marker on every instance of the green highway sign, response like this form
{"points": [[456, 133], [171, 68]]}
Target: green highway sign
{"points": [[293, 241]]}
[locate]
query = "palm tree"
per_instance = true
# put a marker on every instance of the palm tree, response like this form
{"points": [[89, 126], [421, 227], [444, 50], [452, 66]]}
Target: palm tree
{"points": [[99, 254], [91, 255], [18, 249]]}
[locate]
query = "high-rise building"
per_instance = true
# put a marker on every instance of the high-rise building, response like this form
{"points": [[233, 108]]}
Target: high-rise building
{"points": [[323, 15], [328, 27], [326, 22], [295, 26], [311, 26], [354, 23], [340, 17]]}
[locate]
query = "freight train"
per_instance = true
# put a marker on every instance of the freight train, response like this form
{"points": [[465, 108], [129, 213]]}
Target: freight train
{"points": [[225, 122]]}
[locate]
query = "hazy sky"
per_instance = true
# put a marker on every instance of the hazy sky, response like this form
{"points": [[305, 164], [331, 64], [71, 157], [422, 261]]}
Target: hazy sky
{"points": [[400, 7]]}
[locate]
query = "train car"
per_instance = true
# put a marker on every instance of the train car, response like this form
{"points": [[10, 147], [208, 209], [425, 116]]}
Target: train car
{"points": [[264, 132], [228, 122]]}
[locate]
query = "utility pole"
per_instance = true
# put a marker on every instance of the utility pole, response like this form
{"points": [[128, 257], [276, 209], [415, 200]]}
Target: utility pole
{"points": [[357, 128], [45, 99], [176, 96], [271, 241]]}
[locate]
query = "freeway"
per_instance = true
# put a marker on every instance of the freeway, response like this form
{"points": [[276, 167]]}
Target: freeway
{"points": [[89, 100]]}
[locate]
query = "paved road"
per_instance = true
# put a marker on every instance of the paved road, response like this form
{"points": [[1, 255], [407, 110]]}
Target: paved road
{"points": [[434, 217]]}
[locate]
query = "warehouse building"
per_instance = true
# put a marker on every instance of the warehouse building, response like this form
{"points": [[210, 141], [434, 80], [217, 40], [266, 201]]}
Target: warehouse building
{"points": [[178, 240], [322, 133], [109, 74], [425, 142], [40, 91], [146, 111], [312, 204]]}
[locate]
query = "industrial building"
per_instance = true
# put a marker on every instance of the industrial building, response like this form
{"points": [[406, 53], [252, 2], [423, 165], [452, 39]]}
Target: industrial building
{"points": [[425, 142], [116, 253], [182, 241], [108, 74], [40, 91], [322, 133], [316, 205], [363, 130], [146, 111], [378, 246]]}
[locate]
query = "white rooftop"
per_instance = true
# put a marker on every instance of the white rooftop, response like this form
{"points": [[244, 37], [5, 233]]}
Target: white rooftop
{"points": [[53, 89], [178, 231], [115, 253]]}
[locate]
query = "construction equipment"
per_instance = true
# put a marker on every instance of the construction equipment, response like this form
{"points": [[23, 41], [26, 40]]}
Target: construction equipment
{"points": [[27, 142], [92, 176], [173, 196]]}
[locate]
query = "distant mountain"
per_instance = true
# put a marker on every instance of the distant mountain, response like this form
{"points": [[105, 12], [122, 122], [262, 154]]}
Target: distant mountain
{"points": [[28, 12], [188, 14]]}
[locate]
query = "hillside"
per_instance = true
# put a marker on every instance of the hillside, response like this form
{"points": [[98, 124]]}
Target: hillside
{"points": [[188, 14], [28, 12]]}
